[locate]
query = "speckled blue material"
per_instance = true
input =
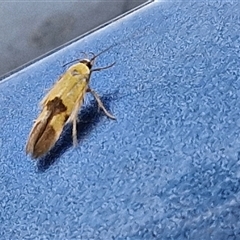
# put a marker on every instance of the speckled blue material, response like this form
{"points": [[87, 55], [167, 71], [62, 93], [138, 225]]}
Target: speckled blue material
{"points": [[168, 167]]}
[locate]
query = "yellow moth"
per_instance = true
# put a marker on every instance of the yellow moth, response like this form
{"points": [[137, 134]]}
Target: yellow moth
{"points": [[61, 106]]}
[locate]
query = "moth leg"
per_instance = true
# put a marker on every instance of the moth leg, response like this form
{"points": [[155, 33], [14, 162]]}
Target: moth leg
{"points": [[100, 104], [73, 118], [74, 131]]}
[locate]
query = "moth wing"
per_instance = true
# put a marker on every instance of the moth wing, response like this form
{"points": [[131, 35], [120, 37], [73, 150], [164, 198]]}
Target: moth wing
{"points": [[37, 130], [47, 128], [77, 74], [59, 85], [63, 100]]}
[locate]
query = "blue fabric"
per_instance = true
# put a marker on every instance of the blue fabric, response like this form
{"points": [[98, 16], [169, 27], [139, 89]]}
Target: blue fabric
{"points": [[168, 167]]}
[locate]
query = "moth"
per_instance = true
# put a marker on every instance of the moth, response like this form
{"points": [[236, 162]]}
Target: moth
{"points": [[61, 106]]}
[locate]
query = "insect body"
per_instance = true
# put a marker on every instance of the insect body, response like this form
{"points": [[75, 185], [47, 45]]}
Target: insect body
{"points": [[61, 105]]}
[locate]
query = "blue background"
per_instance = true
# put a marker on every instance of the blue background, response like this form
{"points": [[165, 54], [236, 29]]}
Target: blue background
{"points": [[168, 167]]}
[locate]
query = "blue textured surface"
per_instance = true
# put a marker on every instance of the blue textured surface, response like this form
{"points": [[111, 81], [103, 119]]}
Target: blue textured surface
{"points": [[168, 168]]}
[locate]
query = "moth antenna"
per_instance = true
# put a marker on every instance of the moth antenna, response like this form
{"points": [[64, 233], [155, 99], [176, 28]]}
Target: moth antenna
{"points": [[95, 56], [69, 62], [92, 55], [75, 60]]}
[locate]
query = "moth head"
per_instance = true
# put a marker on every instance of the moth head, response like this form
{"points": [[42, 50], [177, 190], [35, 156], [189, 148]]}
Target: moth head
{"points": [[87, 62]]}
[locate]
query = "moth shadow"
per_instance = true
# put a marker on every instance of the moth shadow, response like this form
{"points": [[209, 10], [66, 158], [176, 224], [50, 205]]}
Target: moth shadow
{"points": [[88, 117]]}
